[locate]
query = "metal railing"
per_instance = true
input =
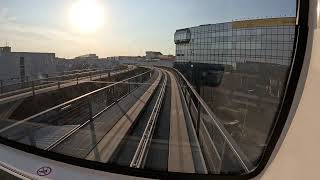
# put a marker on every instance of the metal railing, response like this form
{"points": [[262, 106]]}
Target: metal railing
{"points": [[75, 112], [221, 152], [140, 155], [50, 81]]}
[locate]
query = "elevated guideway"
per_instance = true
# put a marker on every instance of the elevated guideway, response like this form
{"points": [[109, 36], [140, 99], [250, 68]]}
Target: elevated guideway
{"points": [[153, 120]]}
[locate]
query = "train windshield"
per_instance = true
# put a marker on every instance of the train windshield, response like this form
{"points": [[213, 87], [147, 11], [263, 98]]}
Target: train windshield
{"points": [[183, 86]]}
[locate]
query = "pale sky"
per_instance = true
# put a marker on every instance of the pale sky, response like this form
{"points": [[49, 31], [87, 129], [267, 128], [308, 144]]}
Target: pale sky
{"points": [[129, 27]]}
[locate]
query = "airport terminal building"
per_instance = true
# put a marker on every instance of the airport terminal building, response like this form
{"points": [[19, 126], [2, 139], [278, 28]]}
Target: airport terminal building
{"points": [[235, 44]]}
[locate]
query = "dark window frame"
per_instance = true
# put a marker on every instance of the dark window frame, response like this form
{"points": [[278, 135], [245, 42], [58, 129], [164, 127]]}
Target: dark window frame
{"points": [[300, 42]]}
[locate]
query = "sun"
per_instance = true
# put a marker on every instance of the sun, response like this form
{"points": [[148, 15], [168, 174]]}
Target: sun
{"points": [[86, 16]]}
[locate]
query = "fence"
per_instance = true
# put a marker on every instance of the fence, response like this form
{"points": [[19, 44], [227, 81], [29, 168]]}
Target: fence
{"points": [[33, 85], [221, 153], [76, 112]]}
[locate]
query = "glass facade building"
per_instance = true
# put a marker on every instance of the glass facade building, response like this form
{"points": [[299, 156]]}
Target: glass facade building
{"points": [[257, 41], [240, 70]]}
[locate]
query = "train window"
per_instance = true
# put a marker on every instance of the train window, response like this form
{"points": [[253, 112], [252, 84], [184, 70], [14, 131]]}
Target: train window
{"points": [[121, 84]]}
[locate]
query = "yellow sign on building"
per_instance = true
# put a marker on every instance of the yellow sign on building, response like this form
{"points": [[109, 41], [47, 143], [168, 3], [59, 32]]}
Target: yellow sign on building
{"points": [[264, 22]]}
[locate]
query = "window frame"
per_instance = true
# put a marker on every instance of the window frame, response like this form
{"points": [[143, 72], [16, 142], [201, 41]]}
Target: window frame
{"points": [[300, 41]]}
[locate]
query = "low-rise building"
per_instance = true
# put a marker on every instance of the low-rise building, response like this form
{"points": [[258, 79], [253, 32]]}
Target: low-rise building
{"points": [[88, 57], [25, 66], [167, 57], [151, 55], [78, 64]]}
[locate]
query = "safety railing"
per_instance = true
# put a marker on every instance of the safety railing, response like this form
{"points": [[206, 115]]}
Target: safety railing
{"points": [[66, 117], [141, 152], [221, 152], [50, 81]]}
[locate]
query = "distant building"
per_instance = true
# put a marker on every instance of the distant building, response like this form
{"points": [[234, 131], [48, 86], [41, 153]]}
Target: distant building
{"points": [[88, 56], [150, 55], [83, 62], [25, 65], [5, 49], [129, 58], [167, 57]]}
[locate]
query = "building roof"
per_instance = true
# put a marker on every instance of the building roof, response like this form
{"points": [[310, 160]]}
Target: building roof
{"points": [[264, 22], [282, 21], [8, 48]]}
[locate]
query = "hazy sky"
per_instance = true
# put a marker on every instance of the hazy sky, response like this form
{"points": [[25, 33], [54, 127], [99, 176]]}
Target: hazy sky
{"points": [[130, 26]]}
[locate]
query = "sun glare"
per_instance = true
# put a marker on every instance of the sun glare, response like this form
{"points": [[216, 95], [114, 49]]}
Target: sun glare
{"points": [[86, 16]]}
